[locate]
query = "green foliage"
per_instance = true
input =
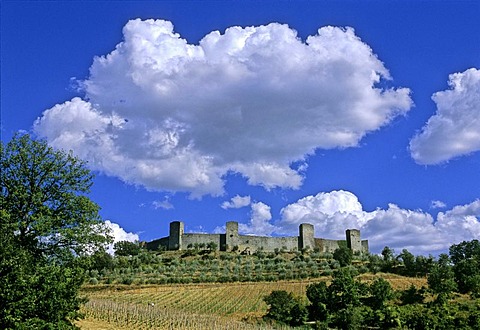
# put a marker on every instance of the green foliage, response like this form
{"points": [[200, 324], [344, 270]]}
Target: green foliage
{"points": [[408, 260], [381, 292], [284, 307], [344, 291], [465, 257], [99, 260], [212, 246], [46, 223], [36, 293], [388, 259], [126, 248], [441, 279], [412, 295], [343, 255], [319, 297], [43, 191]]}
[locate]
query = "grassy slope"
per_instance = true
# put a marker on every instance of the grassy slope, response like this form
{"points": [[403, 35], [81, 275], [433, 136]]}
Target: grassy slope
{"points": [[194, 306]]}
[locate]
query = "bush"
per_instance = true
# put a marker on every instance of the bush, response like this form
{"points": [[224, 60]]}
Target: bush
{"points": [[343, 255], [284, 307]]}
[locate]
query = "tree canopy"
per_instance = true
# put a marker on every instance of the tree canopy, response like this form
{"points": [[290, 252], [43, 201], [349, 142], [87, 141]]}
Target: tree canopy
{"points": [[44, 194], [46, 222]]}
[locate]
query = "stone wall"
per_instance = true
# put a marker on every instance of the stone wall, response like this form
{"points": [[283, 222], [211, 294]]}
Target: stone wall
{"points": [[176, 234], [178, 240], [353, 240], [192, 239], [306, 238], [255, 243], [327, 245]]}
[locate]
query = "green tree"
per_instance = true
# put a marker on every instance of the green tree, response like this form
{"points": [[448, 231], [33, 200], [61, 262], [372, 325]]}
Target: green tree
{"points": [[409, 264], [344, 291], [381, 291], [319, 297], [212, 246], [465, 257], [46, 221], [127, 248], [343, 255], [412, 295], [284, 307], [441, 279], [44, 193], [388, 259]]}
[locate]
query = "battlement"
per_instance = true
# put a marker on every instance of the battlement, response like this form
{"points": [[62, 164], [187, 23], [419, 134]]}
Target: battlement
{"points": [[232, 240]]}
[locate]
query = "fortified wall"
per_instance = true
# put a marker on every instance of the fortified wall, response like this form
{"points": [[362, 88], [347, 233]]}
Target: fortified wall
{"points": [[232, 240]]}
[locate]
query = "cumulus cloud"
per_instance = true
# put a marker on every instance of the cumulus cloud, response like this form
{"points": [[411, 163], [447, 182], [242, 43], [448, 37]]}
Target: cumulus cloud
{"points": [[333, 212], [236, 202], [119, 234], [454, 130], [259, 222], [169, 115], [437, 205]]}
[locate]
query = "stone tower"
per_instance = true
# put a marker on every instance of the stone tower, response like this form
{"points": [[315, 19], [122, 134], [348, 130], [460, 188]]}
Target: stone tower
{"points": [[176, 233], [354, 242], [305, 238], [231, 235]]}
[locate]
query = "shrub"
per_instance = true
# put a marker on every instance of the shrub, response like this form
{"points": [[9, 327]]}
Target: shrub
{"points": [[286, 308]]}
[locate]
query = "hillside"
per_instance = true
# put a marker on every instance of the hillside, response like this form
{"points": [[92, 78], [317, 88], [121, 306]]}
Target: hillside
{"points": [[195, 306]]}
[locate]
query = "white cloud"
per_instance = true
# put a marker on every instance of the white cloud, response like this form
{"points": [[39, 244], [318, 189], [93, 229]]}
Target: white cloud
{"points": [[236, 202], [165, 204], [334, 212], [455, 128], [119, 234], [437, 205], [462, 221], [259, 222], [173, 116]]}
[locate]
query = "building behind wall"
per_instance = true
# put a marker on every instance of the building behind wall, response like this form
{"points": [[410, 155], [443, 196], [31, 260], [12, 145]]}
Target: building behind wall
{"points": [[233, 241]]}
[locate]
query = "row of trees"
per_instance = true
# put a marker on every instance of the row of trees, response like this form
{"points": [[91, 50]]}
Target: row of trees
{"points": [[51, 234], [347, 303]]}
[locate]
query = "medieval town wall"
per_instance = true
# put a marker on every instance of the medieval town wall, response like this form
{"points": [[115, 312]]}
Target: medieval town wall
{"points": [[327, 245], [232, 240], [192, 239], [254, 243]]}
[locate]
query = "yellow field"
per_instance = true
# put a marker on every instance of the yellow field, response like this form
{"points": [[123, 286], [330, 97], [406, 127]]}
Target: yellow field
{"points": [[194, 306]]}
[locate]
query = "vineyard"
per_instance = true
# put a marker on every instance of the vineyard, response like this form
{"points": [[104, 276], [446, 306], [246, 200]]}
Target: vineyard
{"points": [[194, 306]]}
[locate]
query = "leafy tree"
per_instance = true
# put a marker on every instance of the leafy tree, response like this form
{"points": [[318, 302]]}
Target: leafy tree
{"points": [[412, 295], [441, 279], [388, 254], [43, 192], [388, 259], [344, 291], [409, 264], [375, 263], [465, 250], [100, 260], [424, 264], [319, 297], [343, 255], [126, 248], [284, 307], [381, 291], [46, 220], [465, 257], [212, 246]]}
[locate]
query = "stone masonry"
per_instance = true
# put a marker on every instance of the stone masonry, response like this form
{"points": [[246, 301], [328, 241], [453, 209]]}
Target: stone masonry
{"points": [[232, 240]]}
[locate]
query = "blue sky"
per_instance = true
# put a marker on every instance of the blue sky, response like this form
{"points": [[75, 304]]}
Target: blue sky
{"points": [[343, 114]]}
